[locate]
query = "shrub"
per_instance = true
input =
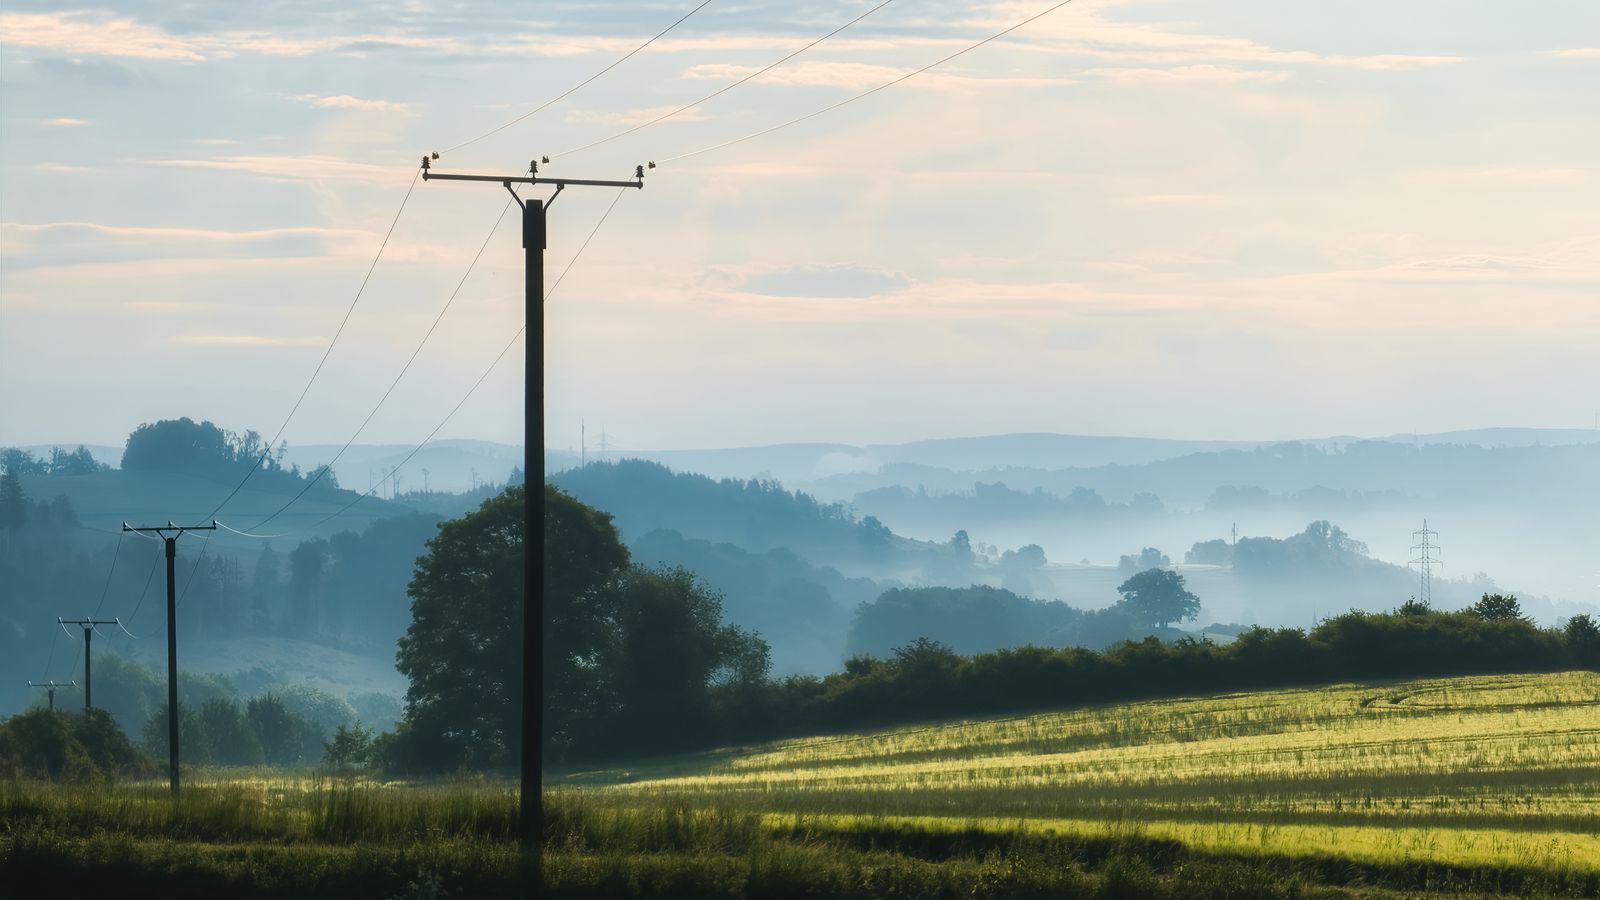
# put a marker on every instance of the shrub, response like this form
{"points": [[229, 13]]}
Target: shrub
{"points": [[68, 746]]}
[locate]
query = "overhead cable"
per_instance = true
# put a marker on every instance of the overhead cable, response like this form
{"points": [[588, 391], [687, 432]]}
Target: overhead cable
{"points": [[865, 94], [107, 588], [580, 85], [267, 451], [717, 93], [328, 466], [481, 378]]}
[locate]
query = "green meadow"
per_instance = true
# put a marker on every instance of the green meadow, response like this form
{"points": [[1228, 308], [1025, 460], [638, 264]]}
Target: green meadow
{"points": [[1477, 786]]}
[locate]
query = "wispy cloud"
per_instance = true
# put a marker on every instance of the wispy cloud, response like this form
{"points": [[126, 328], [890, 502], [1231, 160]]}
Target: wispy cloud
{"points": [[63, 169], [1090, 33], [1188, 75], [295, 168], [66, 123], [627, 117], [861, 76], [345, 101], [1176, 200], [248, 340], [1576, 261], [1507, 173], [1576, 53], [149, 233], [94, 34]]}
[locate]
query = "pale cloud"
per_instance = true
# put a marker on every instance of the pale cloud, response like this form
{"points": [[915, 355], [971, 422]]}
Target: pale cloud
{"points": [[1090, 34], [628, 117], [148, 233], [63, 169], [345, 101], [248, 340], [94, 34], [153, 306], [1575, 261], [66, 123], [1177, 200], [1507, 173], [862, 76], [17, 300], [296, 168], [1188, 74], [1576, 53]]}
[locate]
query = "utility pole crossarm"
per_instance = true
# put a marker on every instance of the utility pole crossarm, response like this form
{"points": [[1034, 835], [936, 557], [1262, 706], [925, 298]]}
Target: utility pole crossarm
{"points": [[169, 535], [50, 688], [529, 179], [89, 626], [533, 177], [532, 681]]}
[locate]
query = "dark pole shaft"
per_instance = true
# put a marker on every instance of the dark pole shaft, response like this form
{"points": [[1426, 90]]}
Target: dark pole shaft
{"points": [[172, 663], [533, 243], [88, 683]]}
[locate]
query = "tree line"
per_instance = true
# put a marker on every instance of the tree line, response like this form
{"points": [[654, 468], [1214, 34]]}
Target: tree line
{"points": [[638, 661]]}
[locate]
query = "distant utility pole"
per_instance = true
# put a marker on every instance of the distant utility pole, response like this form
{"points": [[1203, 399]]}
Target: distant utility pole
{"points": [[1235, 534], [170, 534], [1425, 561], [50, 688], [88, 626], [583, 443], [533, 245]]}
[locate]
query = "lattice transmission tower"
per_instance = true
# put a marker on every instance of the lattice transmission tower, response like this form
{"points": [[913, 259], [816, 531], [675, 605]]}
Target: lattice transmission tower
{"points": [[1426, 550]]}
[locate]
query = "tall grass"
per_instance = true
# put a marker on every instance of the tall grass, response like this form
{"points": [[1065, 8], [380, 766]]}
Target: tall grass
{"points": [[1481, 786]]}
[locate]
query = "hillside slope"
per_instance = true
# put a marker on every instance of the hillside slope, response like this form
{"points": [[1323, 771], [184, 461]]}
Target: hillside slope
{"points": [[1489, 779]]}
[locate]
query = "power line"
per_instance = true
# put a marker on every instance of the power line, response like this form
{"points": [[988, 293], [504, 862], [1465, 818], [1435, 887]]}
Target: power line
{"points": [[725, 89], [865, 94], [147, 579], [267, 451], [580, 85], [481, 378], [78, 651], [105, 590], [328, 466], [265, 537]]}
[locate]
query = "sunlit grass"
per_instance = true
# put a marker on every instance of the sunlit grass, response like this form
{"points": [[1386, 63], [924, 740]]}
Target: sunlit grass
{"points": [[1466, 786], [1483, 771]]}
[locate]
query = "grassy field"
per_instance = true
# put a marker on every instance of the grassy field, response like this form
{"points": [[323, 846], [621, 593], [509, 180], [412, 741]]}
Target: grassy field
{"points": [[1465, 784], [1463, 787]]}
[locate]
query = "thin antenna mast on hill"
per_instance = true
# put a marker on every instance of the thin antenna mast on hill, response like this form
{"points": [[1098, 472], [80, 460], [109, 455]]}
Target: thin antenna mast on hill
{"points": [[1425, 562]]}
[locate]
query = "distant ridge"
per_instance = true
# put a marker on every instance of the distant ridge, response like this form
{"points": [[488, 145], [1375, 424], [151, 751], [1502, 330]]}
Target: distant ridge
{"points": [[799, 463], [450, 463]]}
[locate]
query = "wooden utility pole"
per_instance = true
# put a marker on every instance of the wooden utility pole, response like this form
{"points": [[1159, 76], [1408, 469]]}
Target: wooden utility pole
{"points": [[88, 626], [533, 245], [170, 533], [50, 688]]}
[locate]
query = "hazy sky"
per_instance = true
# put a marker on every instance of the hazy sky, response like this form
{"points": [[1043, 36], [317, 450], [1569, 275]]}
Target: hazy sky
{"points": [[1224, 219]]}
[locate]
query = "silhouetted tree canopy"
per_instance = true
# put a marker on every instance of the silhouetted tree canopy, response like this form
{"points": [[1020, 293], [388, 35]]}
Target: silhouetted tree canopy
{"points": [[1158, 596], [1498, 608], [633, 658]]}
